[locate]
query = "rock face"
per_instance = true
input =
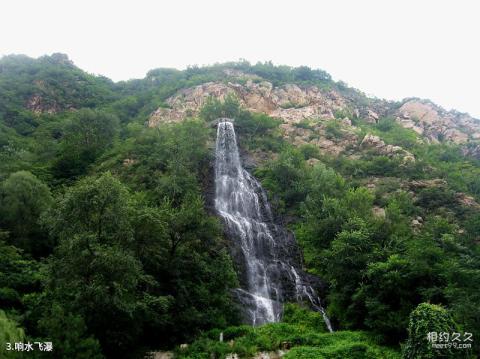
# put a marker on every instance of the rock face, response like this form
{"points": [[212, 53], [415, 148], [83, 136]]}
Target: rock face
{"points": [[374, 142], [306, 112], [471, 149], [289, 102], [37, 105], [436, 124]]}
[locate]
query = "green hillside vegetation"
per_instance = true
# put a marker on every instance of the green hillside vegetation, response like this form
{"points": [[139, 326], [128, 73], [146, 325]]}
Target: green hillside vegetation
{"points": [[301, 329], [108, 246]]}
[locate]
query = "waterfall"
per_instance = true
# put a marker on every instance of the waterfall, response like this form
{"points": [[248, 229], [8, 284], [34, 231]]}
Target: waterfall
{"points": [[266, 252]]}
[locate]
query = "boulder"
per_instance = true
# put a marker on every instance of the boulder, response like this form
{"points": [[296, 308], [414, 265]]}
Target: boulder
{"points": [[372, 117]]}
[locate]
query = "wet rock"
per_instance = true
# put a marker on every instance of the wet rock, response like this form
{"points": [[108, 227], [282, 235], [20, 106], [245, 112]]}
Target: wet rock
{"points": [[266, 255]]}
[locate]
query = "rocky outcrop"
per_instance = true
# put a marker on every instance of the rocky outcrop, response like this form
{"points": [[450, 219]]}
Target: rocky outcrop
{"points": [[436, 124], [471, 149], [379, 146], [316, 133], [466, 200], [37, 105], [296, 105], [43, 99], [288, 102], [372, 117]]}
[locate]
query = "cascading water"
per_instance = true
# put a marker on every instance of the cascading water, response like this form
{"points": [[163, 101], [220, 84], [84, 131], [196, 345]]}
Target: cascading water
{"points": [[266, 252]]}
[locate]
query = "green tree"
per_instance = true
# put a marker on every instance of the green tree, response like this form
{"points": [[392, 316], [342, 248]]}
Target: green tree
{"points": [[94, 271], [345, 261], [424, 320], [18, 276], [68, 334], [246, 123], [23, 199], [286, 178], [86, 136], [214, 108]]}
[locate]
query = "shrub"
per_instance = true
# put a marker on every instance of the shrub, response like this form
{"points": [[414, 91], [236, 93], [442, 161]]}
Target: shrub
{"points": [[9, 333], [303, 317], [429, 318], [333, 130], [305, 124]]}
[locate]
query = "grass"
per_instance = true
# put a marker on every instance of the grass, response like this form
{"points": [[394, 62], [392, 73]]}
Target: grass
{"points": [[302, 329]]}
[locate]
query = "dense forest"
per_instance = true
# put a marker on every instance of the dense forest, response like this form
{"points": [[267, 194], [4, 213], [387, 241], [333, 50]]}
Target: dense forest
{"points": [[110, 248]]}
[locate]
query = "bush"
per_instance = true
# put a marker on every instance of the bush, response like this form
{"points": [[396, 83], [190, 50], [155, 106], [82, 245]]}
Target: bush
{"points": [[303, 317], [301, 328], [341, 350], [305, 124], [435, 197], [309, 151], [10, 333], [333, 130], [429, 318]]}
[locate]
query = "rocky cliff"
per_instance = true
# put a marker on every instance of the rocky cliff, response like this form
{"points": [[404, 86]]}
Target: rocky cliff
{"points": [[307, 113]]}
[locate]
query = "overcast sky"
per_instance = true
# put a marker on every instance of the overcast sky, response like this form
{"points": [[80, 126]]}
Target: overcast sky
{"points": [[389, 49]]}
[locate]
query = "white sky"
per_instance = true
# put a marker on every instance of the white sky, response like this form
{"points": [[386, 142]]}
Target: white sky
{"points": [[391, 49]]}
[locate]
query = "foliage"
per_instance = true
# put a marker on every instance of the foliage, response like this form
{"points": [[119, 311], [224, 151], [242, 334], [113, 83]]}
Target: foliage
{"points": [[304, 337], [246, 123], [18, 276], [9, 333], [378, 268], [392, 132], [68, 334], [425, 320], [86, 136], [99, 268], [341, 350], [50, 83], [23, 199], [303, 317], [333, 130]]}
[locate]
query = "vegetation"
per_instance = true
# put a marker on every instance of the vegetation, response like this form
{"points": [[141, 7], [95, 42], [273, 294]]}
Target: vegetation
{"points": [[300, 329], [379, 267], [9, 333], [255, 128], [436, 321]]}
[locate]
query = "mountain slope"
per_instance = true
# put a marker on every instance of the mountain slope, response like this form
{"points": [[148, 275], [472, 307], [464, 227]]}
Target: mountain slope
{"points": [[50, 84], [106, 209]]}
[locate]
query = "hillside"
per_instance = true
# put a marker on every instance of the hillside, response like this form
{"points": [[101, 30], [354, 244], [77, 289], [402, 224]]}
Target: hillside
{"points": [[111, 245]]}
